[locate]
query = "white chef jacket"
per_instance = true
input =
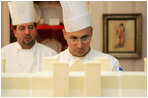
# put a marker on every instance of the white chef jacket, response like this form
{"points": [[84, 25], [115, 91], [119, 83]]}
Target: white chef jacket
{"points": [[66, 56], [25, 60]]}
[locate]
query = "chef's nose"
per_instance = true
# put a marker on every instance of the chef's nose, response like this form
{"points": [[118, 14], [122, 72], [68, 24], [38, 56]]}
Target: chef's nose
{"points": [[27, 31], [79, 43]]}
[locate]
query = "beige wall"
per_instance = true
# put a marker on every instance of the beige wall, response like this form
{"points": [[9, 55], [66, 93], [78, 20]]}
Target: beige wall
{"points": [[5, 33], [97, 8]]}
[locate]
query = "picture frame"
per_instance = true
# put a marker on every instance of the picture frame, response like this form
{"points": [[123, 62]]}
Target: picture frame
{"points": [[122, 35]]}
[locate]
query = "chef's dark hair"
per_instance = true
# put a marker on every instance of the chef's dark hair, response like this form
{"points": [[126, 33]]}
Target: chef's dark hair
{"points": [[14, 27]]}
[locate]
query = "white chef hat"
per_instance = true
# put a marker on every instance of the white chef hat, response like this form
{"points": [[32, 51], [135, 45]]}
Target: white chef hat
{"points": [[75, 15], [21, 12]]}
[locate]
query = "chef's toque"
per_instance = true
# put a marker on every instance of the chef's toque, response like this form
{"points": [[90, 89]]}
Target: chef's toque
{"points": [[21, 12], [75, 15]]}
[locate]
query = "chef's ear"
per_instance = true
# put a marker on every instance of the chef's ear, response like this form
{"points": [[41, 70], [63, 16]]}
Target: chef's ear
{"points": [[64, 33], [14, 31], [92, 28]]}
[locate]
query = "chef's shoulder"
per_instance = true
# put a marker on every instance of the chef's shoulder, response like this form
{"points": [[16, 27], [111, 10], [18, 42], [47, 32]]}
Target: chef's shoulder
{"points": [[101, 54], [9, 47], [62, 55], [114, 63], [46, 49], [8, 50]]}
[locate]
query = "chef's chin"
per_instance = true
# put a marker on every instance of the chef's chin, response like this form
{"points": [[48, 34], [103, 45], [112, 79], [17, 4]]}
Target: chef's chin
{"points": [[80, 54], [29, 43]]}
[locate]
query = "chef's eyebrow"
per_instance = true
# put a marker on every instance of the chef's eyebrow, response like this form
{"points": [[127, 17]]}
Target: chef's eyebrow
{"points": [[21, 27], [73, 37], [85, 36]]}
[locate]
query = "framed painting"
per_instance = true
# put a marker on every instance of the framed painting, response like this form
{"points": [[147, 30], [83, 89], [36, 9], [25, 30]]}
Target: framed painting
{"points": [[122, 35]]}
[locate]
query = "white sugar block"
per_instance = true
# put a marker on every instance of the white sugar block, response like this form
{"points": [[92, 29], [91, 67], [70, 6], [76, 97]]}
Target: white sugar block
{"points": [[41, 84], [60, 81], [92, 80], [16, 85], [76, 79], [48, 63], [110, 84], [145, 64], [104, 63], [76, 92], [134, 84], [15, 93], [77, 66], [3, 62], [76, 84]]}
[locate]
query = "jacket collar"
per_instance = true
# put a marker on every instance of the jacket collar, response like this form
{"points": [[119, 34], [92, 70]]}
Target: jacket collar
{"points": [[86, 56]]}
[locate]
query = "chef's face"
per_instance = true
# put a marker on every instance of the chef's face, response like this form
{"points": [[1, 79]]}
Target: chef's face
{"points": [[79, 41], [26, 35]]}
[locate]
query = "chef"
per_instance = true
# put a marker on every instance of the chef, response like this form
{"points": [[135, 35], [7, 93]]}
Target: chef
{"points": [[78, 33], [26, 54]]}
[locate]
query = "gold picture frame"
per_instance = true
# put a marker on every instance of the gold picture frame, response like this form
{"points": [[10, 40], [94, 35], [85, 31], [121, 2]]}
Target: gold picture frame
{"points": [[122, 35]]}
